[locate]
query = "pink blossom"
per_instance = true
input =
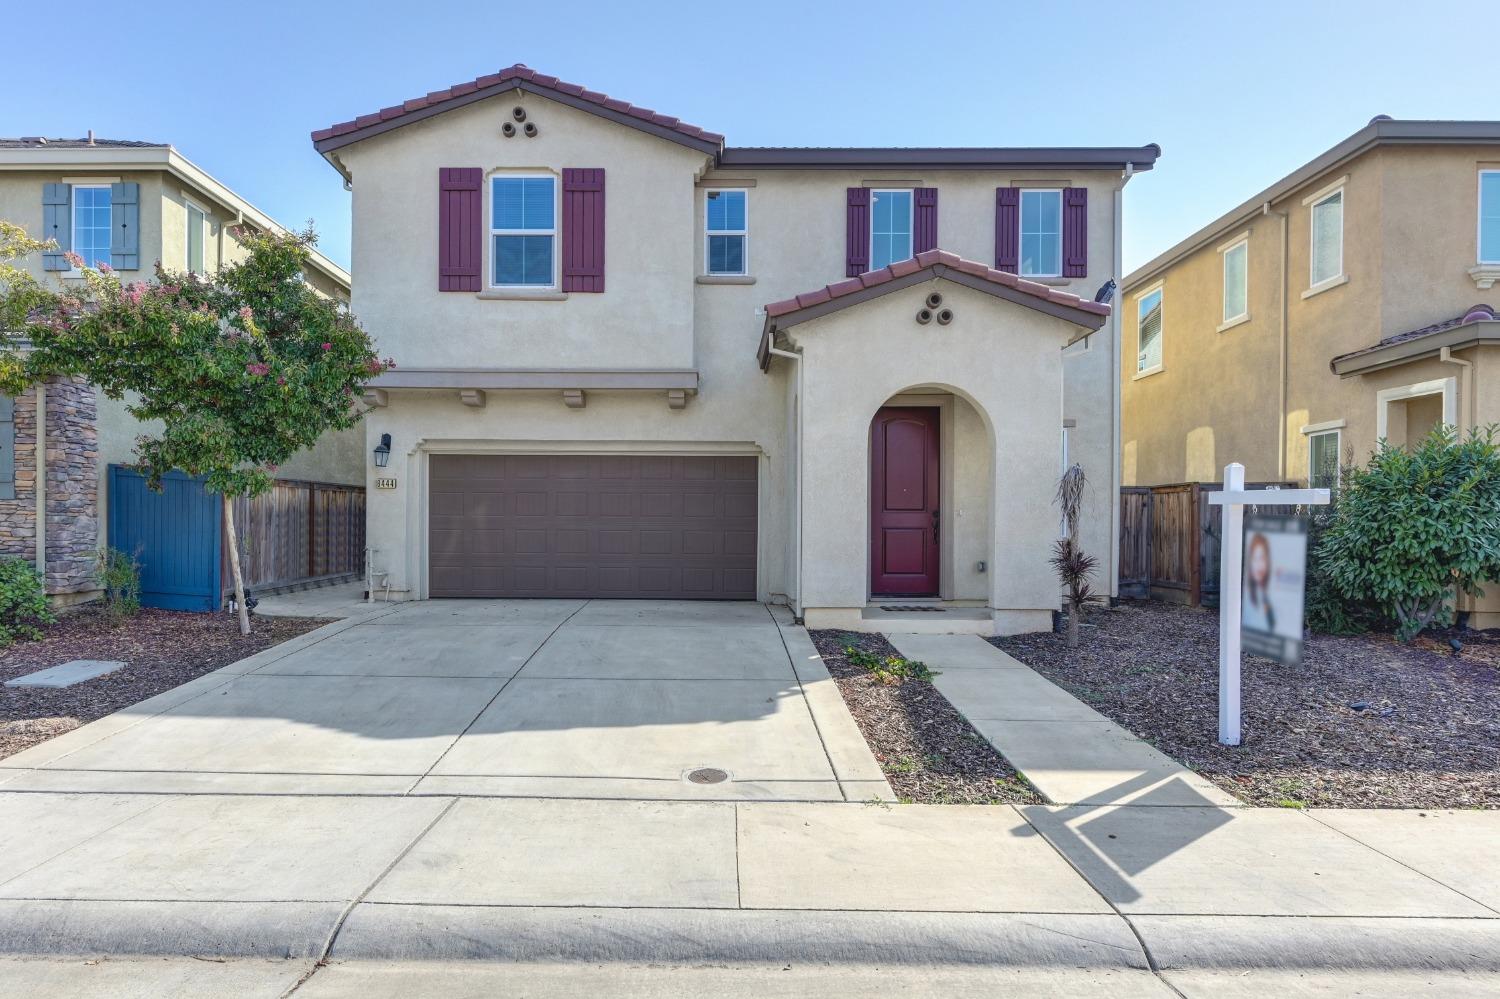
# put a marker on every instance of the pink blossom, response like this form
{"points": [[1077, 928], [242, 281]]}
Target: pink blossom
{"points": [[246, 314], [105, 268], [327, 346], [73, 259], [281, 380], [133, 294], [258, 369]]}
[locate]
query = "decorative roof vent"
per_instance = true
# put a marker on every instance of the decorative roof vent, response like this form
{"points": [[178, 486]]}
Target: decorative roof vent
{"points": [[1381, 117], [1479, 314]]}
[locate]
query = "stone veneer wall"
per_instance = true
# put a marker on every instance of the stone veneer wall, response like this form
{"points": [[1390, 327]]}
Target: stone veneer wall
{"points": [[72, 487]]}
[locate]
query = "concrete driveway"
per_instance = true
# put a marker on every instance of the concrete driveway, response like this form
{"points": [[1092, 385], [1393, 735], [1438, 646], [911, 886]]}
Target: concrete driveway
{"points": [[550, 698]]}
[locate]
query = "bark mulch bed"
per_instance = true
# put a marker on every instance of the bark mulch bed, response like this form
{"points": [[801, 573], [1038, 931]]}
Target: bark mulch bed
{"points": [[1364, 722], [163, 648], [929, 752]]}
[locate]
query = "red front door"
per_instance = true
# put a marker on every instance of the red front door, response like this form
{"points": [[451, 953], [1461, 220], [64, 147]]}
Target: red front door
{"points": [[904, 502]]}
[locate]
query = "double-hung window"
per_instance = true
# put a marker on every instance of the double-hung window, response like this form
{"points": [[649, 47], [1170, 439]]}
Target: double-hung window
{"points": [[197, 222], [1327, 238], [523, 231], [91, 223], [890, 227], [1148, 333], [1323, 460], [1489, 216], [726, 233], [1041, 233], [1236, 281]]}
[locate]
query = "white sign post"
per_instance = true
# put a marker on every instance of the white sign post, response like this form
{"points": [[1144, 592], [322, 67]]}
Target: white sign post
{"points": [[1234, 499]]}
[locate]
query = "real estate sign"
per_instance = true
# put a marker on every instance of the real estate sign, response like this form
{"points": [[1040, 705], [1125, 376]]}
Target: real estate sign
{"points": [[1274, 582]]}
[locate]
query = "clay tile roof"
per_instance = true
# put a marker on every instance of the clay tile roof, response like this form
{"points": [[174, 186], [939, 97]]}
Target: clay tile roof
{"points": [[573, 93], [1474, 314]]}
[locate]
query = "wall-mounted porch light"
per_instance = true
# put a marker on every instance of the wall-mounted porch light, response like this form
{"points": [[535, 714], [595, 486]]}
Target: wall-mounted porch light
{"points": [[383, 451]]}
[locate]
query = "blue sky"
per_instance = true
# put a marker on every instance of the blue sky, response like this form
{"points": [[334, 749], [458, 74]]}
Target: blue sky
{"points": [[1236, 95]]}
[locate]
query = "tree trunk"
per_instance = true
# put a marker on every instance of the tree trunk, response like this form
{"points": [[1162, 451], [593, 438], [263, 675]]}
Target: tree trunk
{"points": [[1073, 622], [234, 565]]}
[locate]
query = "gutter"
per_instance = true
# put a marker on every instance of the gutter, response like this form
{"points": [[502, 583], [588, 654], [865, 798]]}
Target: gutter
{"points": [[1466, 391], [1483, 333], [797, 604], [1284, 343]]}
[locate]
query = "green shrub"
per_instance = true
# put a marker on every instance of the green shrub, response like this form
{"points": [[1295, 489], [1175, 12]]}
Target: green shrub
{"points": [[1329, 611], [887, 670], [1415, 527], [23, 601], [120, 576]]}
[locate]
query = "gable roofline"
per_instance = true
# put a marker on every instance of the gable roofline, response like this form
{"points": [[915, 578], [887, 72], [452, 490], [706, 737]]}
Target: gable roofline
{"points": [[166, 158], [1480, 326], [1381, 131], [940, 157], [517, 77], [916, 270]]}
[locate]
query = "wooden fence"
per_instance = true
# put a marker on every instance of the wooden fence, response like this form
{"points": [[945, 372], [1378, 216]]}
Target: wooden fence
{"points": [[1169, 541], [298, 531]]}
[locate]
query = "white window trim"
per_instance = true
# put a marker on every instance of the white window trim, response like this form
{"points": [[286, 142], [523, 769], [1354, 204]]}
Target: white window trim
{"points": [[1224, 252], [188, 207], [1479, 220], [1326, 425], [1447, 387], [95, 184], [1336, 428], [1020, 230], [745, 232], [554, 232], [1162, 335], [1339, 277], [911, 220]]}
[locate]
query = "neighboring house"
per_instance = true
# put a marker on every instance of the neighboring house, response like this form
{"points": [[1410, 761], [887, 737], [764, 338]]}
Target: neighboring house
{"points": [[633, 361], [1338, 307], [129, 205]]}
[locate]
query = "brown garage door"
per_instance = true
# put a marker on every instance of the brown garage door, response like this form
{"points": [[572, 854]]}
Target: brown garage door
{"points": [[592, 526]]}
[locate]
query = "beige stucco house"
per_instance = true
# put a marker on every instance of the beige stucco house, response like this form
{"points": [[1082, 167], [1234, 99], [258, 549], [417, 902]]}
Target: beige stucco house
{"points": [[1348, 302], [127, 204], [633, 361]]}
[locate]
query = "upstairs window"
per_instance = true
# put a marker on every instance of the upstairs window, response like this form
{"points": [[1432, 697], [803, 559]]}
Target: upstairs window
{"points": [[91, 223], [1489, 216], [890, 227], [1148, 335], [1041, 233], [523, 232], [1327, 238], [726, 232], [197, 221], [1236, 277]]}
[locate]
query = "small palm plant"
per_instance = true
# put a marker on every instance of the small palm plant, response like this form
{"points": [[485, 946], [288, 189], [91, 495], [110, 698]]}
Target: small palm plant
{"points": [[1074, 567]]}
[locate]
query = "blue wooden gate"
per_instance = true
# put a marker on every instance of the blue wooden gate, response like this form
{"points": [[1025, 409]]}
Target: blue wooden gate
{"points": [[174, 534]]}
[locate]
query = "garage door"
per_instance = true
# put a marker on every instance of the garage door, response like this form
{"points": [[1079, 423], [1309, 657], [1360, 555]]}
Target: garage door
{"points": [[592, 526]]}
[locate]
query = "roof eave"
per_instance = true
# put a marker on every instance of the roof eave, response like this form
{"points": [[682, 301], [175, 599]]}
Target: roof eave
{"points": [[1376, 133], [940, 158], [1484, 333]]}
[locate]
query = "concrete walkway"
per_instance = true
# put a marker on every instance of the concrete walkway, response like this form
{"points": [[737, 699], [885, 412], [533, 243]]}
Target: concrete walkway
{"points": [[552, 698], [1068, 751]]}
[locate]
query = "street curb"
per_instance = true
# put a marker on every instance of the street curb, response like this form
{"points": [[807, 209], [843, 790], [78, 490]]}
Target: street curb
{"points": [[281, 930], [528, 934], [1322, 943]]}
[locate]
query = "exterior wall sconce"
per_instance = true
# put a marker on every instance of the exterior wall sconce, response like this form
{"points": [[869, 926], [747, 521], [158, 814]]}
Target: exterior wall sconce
{"points": [[383, 451]]}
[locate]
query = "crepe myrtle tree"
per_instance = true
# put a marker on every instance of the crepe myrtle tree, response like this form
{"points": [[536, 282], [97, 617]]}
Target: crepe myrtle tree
{"points": [[1075, 567], [243, 368]]}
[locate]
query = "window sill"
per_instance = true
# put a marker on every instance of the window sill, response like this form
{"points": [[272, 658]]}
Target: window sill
{"points": [[517, 295], [1148, 373], [1485, 275], [725, 279], [1050, 280], [1230, 324], [1327, 285]]}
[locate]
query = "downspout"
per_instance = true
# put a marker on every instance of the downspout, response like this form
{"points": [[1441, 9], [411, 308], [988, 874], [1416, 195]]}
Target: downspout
{"points": [[1115, 389], [1466, 391], [40, 485], [1284, 347], [797, 605]]}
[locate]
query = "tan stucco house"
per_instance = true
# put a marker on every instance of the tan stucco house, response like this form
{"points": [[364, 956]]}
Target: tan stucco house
{"points": [[634, 361], [128, 204], [1348, 302]]}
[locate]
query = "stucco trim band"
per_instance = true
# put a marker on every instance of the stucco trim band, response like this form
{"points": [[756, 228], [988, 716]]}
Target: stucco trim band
{"points": [[642, 379]]}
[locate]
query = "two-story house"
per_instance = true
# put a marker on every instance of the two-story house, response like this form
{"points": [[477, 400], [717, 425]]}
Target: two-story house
{"points": [[1342, 305], [129, 205], [633, 361]]}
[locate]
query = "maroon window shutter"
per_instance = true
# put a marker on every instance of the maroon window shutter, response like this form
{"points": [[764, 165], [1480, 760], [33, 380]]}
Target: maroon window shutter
{"points": [[1008, 229], [924, 235], [857, 229], [583, 229], [460, 210], [1075, 232]]}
